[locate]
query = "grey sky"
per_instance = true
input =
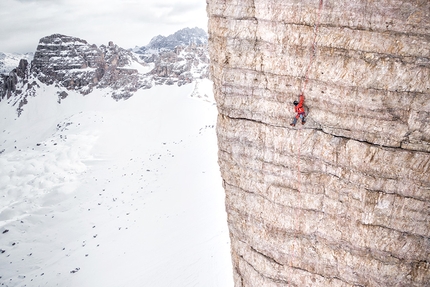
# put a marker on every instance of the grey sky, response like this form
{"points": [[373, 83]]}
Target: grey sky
{"points": [[127, 23]]}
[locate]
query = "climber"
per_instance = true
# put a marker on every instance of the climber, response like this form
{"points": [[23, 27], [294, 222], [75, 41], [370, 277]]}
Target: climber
{"points": [[300, 110]]}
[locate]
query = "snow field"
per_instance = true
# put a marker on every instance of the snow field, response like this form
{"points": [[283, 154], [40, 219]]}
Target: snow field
{"points": [[105, 193]]}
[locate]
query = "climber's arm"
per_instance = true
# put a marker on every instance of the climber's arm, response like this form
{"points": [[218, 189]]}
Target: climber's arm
{"points": [[302, 100]]}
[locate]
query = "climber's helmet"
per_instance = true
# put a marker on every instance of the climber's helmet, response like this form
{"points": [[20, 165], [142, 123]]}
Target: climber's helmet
{"points": [[296, 103]]}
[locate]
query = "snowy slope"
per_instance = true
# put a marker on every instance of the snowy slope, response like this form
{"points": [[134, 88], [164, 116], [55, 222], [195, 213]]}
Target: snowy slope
{"points": [[96, 192]]}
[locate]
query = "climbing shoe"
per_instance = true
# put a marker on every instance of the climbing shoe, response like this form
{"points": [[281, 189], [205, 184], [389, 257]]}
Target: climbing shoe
{"points": [[293, 125]]}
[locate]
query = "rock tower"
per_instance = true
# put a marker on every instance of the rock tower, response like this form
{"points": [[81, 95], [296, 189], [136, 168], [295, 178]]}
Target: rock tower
{"points": [[345, 199]]}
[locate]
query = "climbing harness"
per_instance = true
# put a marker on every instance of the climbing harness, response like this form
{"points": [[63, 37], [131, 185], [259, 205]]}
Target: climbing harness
{"points": [[299, 138]]}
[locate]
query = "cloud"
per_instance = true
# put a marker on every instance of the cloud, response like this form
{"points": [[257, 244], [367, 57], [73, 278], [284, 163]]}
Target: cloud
{"points": [[126, 22], [182, 11], [39, 1]]}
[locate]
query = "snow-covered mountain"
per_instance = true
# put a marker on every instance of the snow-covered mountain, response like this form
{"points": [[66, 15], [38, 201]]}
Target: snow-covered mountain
{"points": [[72, 64], [184, 37], [102, 192], [180, 57]]}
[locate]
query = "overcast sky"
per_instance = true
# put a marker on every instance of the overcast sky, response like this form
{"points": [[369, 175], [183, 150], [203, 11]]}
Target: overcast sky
{"points": [[128, 23]]}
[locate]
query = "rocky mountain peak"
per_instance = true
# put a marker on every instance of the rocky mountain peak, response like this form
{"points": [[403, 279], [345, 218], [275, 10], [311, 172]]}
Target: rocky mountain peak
{"points": [[180, 57], [62, 59], [183, 37], [59, 39], [71, 63]]}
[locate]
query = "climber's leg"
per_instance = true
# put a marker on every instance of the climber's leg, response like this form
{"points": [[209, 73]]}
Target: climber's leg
{"points": [[302, 117], [294, 121]]}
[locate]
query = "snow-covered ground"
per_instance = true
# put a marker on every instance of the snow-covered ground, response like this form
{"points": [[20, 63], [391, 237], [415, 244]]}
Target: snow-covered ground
{"points": [[95, 192]]}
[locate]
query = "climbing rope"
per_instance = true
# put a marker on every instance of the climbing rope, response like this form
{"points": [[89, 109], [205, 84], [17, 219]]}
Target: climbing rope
{"points": [[299, 138], [313, 48]]}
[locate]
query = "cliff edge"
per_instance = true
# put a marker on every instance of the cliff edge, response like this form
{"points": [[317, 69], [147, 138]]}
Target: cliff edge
{"points": [[345, 199]]}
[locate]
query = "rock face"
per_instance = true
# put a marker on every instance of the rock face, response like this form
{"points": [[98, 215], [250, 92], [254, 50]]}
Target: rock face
{"points": [[345, 199], [71, 63], [9, 61], [74, 64], [11, 80], [182, 65]]}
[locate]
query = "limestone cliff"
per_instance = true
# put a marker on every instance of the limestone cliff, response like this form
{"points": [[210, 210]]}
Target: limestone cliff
{"points": [[345, 199]]}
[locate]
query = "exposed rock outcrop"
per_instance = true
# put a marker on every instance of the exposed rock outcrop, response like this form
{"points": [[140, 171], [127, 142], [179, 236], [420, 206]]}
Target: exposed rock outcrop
{"points": [[178, 58], [9, 61], [345, 199], [75, 65], [9, 83], [71, 63], [182, 65]]}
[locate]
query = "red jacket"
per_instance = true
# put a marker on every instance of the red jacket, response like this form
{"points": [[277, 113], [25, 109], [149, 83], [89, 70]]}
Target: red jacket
{"points": [[299, 108]]}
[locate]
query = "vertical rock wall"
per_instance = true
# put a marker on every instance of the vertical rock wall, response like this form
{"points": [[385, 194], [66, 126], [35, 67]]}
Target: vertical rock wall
{"points": [[345, 199]]}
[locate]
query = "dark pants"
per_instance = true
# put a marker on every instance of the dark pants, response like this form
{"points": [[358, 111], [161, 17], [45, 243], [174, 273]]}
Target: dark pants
{"points": [[302, 116]]}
